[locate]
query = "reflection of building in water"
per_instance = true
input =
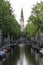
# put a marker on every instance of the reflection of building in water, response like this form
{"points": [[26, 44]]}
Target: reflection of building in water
{"points": [[22, 20], [20, 61], [21, 54]]}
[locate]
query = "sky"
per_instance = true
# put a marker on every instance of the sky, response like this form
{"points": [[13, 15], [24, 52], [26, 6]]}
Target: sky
{"points": [[26, 5]]}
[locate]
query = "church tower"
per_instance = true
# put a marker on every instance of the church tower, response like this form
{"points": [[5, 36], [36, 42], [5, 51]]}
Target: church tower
{"points": [[22, 20]]}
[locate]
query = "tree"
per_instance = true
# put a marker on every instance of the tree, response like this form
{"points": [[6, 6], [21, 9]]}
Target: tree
{"points": [[31, 30], [8, 22], [35, 21], [37, 15]]}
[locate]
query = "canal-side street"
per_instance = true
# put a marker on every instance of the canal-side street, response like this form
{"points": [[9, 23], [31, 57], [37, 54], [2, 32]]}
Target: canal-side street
{"points": [[21, 32], [21, 55]]}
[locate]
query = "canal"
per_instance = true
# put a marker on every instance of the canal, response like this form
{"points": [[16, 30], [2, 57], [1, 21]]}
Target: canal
{"points": [[22, 55]]}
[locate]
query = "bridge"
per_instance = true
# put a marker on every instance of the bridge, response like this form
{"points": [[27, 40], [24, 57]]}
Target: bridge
{"points": [[33, 45], [15, 43]]}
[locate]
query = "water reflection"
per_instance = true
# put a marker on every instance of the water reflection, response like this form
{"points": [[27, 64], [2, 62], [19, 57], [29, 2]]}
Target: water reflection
{"points": [[13, 57], [21, 55], [29, 57]]}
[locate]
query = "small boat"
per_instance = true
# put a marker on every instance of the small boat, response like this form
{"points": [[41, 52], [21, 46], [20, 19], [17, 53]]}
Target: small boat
{"points": [[2, 55], [41, 51], [6, 51]]}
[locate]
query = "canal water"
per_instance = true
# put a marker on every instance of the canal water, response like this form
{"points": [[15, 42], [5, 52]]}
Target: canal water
{"points": [[22, 55]]}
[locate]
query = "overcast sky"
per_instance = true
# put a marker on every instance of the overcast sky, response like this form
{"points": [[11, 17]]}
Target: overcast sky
{"points": [[25, 4]]}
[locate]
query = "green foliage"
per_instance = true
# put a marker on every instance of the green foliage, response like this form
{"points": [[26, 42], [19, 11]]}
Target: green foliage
{"points": [[8, 22], [35, 21], [37, 15], [31, 30]]}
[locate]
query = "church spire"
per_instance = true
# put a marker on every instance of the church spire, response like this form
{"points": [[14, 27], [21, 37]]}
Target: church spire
{"points": [[21, 13], [22, 20]]}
